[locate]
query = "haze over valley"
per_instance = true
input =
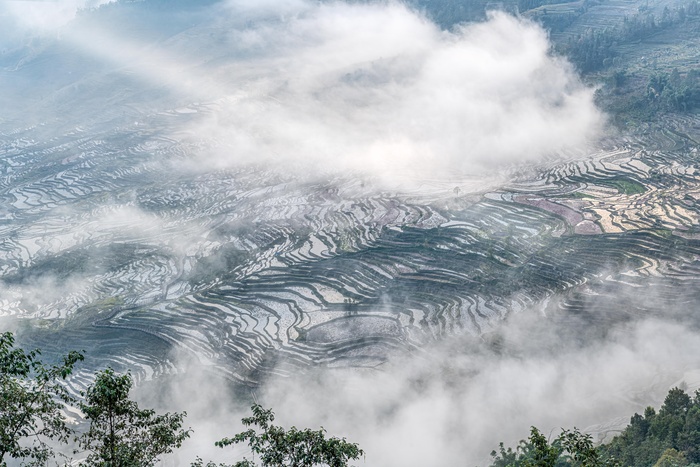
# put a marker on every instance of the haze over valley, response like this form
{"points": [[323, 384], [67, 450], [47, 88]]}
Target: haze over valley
{"points": [[426, 226]]}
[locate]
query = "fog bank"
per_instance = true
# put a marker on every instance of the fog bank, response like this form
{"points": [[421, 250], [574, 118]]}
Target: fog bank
{"points": [[380, 89], [332, 87], [452, 403]]}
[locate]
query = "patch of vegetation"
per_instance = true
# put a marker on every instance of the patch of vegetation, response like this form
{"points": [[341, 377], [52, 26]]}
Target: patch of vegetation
{"points": [[569, 448], [555, 16], [625, 186], [448, 13], [108, 302], [673, 431], [577, 195], [663, 92], [663, 233], [597, 49], [120, 433], [669, 437], [31, 403], [275, 446], [640, 64]]}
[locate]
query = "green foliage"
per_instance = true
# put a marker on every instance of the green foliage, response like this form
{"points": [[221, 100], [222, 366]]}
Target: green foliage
{"points": [[200, 463], [625, 186], [647, 438], [596, 49], [570, 448], [667, 438], [539, 453], [277, 447], [505, 457], [121, 434], [31, 399], [672, 92], [671, 458], [581, 450], [663, 92]]}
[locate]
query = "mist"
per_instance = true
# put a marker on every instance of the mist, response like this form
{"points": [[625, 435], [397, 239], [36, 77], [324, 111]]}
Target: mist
{"points": [[376, 89], [196, 131], [452, 402], [380, 90], [300, 90]]}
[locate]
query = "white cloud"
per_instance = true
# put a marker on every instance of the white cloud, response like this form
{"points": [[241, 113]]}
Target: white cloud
{"points": [[379, 88], [375, 88], [452, 403]]}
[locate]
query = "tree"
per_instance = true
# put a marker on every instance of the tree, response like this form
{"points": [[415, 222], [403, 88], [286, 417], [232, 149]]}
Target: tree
{"points": [[689, 440], [581, 449], [671, 458], [31, 399], [541, 453], [504, 457], [121, 434], [570, 448], [294, 448]]}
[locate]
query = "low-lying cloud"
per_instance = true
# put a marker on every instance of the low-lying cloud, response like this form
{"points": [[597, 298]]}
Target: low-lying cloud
{"points": [[332, 87], [381, 89], [452, 404], [378, 89]]}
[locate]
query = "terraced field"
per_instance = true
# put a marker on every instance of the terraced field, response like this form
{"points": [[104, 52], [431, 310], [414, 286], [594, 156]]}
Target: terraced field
{"points": [[258, 273], [601, 15], [119, 236]]}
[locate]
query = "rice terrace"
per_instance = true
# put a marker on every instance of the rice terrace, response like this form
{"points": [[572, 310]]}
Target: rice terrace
{"points": [[424, 225]]}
